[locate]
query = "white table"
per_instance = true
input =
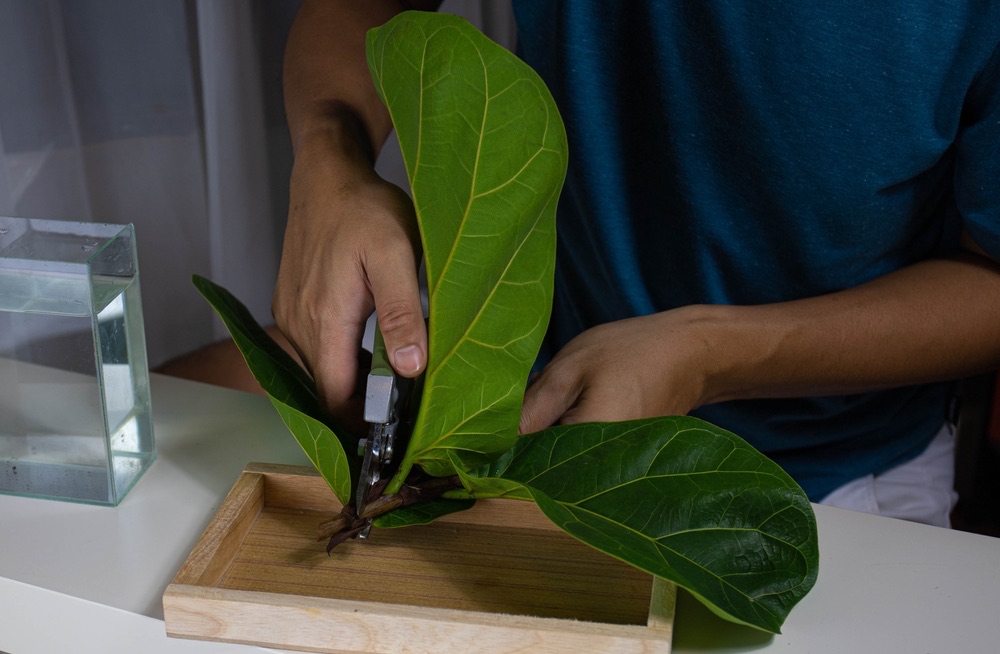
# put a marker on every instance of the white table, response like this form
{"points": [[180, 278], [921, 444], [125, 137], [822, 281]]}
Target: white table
{"points": [[78, 578]]}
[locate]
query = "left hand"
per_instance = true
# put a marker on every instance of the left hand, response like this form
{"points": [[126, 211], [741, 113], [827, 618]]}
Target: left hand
{"points": [[635, 368]]}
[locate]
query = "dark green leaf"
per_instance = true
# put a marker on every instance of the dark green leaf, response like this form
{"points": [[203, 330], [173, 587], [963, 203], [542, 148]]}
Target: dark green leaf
{"points": [[683, 500], [291, 391]]}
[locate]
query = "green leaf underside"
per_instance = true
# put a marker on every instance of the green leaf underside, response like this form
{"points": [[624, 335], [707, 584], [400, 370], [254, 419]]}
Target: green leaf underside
{"points": [[485, 153], [290, 389], [683, 500]]}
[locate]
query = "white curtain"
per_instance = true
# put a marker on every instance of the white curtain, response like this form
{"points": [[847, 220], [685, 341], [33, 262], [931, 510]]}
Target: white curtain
{"points": [[166, 114]]}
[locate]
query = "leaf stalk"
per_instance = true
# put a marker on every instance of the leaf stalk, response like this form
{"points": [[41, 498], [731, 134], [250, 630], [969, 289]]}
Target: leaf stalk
{"points": [[348, 524]]}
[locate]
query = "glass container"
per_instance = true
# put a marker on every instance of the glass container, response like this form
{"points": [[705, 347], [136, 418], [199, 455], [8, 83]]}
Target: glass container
{"points": [[75, 419]]}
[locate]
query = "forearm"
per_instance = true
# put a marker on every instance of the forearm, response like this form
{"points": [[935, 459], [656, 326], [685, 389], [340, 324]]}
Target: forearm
{"points": [[329, 96], [935, 320]]}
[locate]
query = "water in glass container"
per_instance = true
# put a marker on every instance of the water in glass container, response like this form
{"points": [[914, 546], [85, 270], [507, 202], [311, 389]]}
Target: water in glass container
{"points": [[75, 419]]}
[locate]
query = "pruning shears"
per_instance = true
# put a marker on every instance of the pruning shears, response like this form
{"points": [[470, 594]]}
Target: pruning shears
{"points": [[387, 400]]}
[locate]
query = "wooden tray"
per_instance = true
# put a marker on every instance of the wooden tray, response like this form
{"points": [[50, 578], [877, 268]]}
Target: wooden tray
{"points": [[497, 578]]}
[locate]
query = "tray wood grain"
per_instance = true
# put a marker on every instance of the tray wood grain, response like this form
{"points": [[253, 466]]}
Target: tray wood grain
{"points": [[497, 578]]}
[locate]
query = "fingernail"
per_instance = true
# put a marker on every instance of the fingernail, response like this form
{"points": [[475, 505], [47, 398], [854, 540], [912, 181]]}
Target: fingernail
{"points": [[407, 360]]}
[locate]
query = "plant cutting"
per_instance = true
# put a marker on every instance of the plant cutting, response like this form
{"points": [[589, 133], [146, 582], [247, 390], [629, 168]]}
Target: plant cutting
{"points": [[485, 153]]}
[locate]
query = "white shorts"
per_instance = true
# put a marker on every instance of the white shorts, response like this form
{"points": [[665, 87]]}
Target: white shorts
{"points": [[920, 490]]}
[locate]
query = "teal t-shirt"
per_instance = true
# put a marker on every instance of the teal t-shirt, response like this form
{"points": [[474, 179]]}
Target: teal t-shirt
{"points": [[756, 151]]}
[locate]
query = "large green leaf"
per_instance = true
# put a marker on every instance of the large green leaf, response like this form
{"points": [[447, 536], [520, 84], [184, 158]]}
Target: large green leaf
{"points": [[683, 500], [485, 152], [290, 389]]}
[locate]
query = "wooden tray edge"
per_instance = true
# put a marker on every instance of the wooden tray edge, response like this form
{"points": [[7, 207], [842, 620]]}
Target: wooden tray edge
{"points": [[346, 627], [213, 552]]}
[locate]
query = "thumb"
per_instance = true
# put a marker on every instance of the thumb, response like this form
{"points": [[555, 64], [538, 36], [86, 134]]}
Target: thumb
{"points": [[401, 321]]}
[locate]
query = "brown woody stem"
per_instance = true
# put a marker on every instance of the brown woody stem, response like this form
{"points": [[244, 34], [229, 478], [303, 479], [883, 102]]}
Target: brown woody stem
{"points": [[347, 524]]}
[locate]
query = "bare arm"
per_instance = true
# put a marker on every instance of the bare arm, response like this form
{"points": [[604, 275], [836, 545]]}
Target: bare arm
{"points": [[932, 321], [326, 80], [935, 320], [351, 244]]}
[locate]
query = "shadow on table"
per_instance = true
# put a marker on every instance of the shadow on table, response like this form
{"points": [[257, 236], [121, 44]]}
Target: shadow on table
{"points": [[697, 628]]}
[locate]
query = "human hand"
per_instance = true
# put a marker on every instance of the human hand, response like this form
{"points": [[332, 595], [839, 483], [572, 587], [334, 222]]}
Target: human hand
{"points": [[640, 367], [351, 246]]}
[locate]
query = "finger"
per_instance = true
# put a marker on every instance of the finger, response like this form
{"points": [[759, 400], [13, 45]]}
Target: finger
{"points": [[324, 325], [546, 401], [400, 315], [335, 369]]}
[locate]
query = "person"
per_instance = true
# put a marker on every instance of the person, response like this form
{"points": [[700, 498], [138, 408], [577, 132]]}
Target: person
{"points": [[783, 217]]}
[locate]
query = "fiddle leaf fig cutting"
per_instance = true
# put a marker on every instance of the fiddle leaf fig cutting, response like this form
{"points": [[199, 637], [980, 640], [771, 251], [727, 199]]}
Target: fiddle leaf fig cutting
{"points": [[682, 499], [485, 153]]}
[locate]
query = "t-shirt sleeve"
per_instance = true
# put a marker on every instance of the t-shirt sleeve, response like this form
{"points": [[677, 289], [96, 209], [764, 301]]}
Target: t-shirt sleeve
{"points": [[977, 169]]}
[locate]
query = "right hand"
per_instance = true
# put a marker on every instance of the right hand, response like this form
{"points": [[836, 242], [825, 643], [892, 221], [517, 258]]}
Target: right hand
{"points": [[351, 246]]}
